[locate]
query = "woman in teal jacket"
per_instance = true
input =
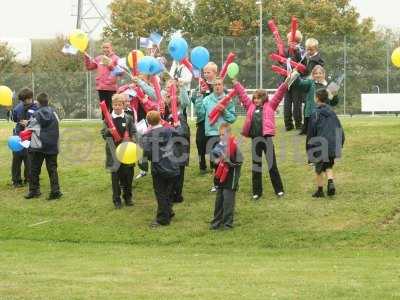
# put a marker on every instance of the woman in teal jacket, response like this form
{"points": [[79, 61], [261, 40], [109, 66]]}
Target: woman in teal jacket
{"points": [[310, 86], [204, 106]]}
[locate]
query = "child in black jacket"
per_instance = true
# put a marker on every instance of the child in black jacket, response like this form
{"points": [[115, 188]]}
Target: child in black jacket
{"points": [[121, 174], [325, 139], [21, 114], [44, 147], [158, 147], [227, 174]]}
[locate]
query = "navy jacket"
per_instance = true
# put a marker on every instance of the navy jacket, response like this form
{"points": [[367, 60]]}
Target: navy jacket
{"points": [[21, 112], [48, 133], [158, 147], [325, 136]]}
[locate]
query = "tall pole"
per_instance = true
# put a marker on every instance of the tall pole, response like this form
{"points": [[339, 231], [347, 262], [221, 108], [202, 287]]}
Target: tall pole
{"points": [[79, 15], [261, 45], [344, 73], [387, 68]]}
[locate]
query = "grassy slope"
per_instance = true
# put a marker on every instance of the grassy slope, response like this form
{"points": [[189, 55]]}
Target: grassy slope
{"points": [[362, 215]]}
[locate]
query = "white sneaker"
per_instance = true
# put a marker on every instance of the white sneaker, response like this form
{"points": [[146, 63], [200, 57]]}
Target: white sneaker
{"points": [[256, 197], [280, 194], [213, 189]]}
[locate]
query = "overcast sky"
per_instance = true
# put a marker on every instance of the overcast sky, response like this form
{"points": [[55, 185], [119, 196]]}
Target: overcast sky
{"points": [[47, 18]]}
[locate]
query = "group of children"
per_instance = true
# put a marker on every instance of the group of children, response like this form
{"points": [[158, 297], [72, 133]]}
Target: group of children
{"points": [[38, 124], [161, 129]]}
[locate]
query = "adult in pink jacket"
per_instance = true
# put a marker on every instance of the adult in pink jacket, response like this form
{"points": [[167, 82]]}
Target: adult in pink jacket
{"points": [[260, 127], [106, 82]]}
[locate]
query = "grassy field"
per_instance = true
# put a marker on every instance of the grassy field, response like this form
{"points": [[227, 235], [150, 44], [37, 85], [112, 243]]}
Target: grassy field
{"points": [[79, 247]]}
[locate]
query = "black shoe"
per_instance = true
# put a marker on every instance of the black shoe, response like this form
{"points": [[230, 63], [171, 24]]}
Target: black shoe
{"points": [[299, 127], [302, 133], [128, 202], [117, 203], [214, 227], [318, 194], [32, 195], [289, 128], [331, 189], [178, 199], [54, 196], [18, 185], [171, 214]]}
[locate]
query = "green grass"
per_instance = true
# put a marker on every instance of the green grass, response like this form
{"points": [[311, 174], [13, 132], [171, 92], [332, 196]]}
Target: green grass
{"points": [[297, 248]]}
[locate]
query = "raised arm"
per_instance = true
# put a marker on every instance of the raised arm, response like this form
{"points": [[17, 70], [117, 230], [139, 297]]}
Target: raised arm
{"points": [[243, 97], [147, 89], [90, 63], [278, 96]]}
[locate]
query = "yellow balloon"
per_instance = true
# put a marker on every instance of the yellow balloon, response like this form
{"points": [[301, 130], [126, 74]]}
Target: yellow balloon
{"points": [[5, 96], [127, 153], [139, 56], [79, 40], [396, 57]]}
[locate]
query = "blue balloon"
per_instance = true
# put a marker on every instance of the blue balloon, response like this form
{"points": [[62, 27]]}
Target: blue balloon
{"points": [[178, 48], [199, 57], [14, 143], [144, 64], [156, 67], [150, 66]]}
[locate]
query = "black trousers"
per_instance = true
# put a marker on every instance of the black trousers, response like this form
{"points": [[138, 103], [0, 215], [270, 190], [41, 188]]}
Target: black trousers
{"points": [[201, 143], [122, 179], [258, 146], [36, 159], [106, 96], [178, 186], [163, 189], [304, 129], [224, 208], [19, 158], [292, 108]]}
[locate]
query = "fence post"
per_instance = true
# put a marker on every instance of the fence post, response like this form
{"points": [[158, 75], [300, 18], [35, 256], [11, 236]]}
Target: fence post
{"points": [[345, 73]]}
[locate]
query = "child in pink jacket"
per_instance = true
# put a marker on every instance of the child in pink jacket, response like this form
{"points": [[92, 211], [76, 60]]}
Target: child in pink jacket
{"points": [[106, 82], [260, 127]]}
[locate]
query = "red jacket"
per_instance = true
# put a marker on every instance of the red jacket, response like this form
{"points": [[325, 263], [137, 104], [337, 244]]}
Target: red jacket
{"points": [[269, 109], [104, 80]]}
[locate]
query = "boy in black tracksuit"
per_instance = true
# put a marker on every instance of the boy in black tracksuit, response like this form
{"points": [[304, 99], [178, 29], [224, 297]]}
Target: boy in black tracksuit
{"points": [[158, 147], [325, 139], [294, 97], [121, 174], [227, 186], [21, 114], [44, 147]]}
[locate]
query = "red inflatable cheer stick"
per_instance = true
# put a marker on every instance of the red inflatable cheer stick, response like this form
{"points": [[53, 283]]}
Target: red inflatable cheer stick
{"points": [[220, 107], [110, 124], [230, 58], [279, 70], [174, 103], [187, 64], [277, 37], [293, 28], [283, 60], [157, 88]]}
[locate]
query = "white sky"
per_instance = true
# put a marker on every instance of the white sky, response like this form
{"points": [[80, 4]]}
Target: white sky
{"points": [[47, 18]]}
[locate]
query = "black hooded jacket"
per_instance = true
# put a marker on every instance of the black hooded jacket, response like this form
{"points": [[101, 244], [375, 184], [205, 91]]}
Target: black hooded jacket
{"points": [[47, 119], [158, 147], [324, 130]]}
